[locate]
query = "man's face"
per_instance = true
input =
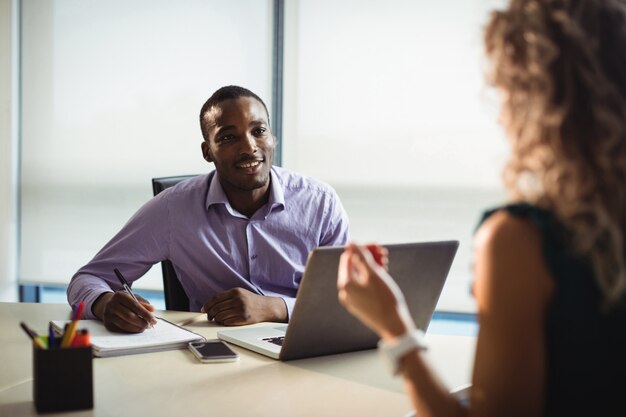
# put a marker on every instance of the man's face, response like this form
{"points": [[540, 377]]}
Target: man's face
{"points": [[240, 144]]}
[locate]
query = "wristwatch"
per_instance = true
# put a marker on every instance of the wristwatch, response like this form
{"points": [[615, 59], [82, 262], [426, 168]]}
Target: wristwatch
{"points": [[394, 351]]}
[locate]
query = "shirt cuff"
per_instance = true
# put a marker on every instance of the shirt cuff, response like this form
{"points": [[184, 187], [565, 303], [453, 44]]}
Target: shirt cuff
{"points": [[289, 303], [89, 300], [88, 293]]}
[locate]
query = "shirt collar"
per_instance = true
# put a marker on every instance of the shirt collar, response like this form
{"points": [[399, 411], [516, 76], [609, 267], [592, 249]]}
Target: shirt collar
{"points": [[216, 194], [277, 195]]}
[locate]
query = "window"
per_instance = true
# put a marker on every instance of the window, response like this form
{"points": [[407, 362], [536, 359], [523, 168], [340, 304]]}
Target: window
{"points": [[383, 100], [111, 93], [386, 101]]}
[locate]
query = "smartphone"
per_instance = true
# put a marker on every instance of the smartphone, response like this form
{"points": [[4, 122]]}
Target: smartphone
{"points": [[213, 351]]}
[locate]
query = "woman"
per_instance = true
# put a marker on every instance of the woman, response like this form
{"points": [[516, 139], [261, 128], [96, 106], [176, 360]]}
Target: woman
{"points": [[550, 276]]}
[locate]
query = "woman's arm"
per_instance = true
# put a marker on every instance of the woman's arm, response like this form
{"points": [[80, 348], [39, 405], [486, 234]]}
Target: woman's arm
{"points": [[512, 288], [369, 293]]}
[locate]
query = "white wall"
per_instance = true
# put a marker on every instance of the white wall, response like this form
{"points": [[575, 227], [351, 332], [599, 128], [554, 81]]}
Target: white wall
{"points": [[8, 164]]}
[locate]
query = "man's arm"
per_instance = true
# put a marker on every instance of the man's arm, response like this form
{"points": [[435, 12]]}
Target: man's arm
{"points": [[336, 223], [142, 242]]}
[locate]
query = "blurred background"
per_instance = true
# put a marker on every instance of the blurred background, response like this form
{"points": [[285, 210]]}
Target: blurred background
{"points": [[384, 100]]}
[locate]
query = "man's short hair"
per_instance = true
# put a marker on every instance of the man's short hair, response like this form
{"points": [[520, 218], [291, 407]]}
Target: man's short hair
{"points": [[228, 92]]}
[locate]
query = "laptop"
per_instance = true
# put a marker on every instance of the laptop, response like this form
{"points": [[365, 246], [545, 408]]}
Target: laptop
{"points": [[320, 325]]}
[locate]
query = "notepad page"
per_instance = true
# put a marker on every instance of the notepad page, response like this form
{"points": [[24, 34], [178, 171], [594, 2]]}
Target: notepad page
{"points": [[164, 333]]}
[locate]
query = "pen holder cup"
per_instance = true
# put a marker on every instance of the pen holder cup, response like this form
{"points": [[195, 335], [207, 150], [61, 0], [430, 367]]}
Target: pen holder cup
{"points": [[62, 379]]}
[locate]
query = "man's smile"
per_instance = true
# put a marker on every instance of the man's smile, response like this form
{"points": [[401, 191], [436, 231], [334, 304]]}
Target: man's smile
{"points": [[249, 164]]}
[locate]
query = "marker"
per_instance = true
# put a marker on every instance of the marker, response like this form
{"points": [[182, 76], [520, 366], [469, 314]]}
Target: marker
{"points": [[82, 339], [71, 330], [33, 335], [44, 341], [69, 334]]}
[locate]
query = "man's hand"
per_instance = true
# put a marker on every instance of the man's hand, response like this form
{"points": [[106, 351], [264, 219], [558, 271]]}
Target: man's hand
{"points": [[120, 313], [239, 306]]}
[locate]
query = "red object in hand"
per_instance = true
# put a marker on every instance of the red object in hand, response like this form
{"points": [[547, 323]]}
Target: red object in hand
{"points": [[378, 258]]}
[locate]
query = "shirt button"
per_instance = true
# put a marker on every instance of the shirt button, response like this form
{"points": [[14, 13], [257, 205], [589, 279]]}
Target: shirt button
{"points": [[253, 257]]}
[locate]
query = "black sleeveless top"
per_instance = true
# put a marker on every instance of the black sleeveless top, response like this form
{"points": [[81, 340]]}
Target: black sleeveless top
{"points": [[585, 342]]}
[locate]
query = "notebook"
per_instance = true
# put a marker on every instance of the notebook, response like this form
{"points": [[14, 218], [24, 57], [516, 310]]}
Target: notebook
{"points": [[163, 336], [320, 325]]}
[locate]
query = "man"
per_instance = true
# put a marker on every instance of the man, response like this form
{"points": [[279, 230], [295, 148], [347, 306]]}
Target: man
{"points": [[238, 237]]}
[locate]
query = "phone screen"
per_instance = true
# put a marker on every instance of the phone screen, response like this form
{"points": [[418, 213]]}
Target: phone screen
{"points": [[212, 350]]}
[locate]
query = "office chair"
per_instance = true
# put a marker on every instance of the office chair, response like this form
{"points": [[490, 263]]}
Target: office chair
{"points": [[175, 296]]}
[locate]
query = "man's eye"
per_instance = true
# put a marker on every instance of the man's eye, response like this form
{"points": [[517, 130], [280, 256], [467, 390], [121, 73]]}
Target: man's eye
{"points": [[226, 138], [260, 131]]}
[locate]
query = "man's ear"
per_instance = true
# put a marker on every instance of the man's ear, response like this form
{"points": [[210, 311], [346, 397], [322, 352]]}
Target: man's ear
{"points": [[206, 151]]}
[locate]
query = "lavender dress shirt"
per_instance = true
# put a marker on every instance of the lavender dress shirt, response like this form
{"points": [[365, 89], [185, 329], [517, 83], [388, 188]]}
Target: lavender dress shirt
{"points": [[215, 248]]}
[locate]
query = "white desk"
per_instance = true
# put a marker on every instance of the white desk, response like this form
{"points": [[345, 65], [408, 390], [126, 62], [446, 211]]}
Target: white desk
{"points": [[174, 383]]}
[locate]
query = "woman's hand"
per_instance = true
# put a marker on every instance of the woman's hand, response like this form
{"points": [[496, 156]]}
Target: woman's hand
{"points": [[369, 292]]}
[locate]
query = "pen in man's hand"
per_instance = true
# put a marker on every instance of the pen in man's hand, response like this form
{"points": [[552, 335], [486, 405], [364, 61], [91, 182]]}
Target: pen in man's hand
{"points": [[128, 290]]}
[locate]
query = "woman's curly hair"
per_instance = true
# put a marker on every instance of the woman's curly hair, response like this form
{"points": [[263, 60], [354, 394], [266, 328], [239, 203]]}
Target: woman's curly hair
{"points": [[561, 66]]}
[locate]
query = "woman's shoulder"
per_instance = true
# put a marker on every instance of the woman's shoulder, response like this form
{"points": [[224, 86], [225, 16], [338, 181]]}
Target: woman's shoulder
{"points": [[527, 210], [522, 218], [509, 258], [505, 230]]}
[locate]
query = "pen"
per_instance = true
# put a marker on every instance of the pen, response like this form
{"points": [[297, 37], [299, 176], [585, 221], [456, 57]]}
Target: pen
{"points": [[78, 311], [192, 320], [31, 333], [128, 290], [71, 330], [52, 340], [68, 336]]}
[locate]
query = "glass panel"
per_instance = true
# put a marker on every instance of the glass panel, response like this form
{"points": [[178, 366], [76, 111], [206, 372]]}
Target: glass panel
{"points": [[386, 101], [111, 95]]}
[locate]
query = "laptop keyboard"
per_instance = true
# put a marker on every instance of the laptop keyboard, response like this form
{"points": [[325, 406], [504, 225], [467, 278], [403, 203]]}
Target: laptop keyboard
{"points": [[275, 340]]}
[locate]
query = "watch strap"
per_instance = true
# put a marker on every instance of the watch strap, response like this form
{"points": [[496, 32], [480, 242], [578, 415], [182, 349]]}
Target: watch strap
{"points": [[394, 351]]}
